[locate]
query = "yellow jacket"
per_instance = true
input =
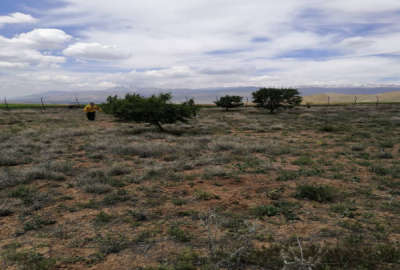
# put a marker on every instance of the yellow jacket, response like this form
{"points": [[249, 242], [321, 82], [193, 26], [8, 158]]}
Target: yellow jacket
{"points": [[90, 108]]}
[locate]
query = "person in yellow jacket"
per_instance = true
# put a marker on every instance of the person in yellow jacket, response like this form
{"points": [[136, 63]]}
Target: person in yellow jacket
{"points": [[90, 110]]}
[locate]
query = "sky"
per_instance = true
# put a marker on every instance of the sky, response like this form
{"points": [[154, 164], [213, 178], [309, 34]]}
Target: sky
{"points": [[73, 45]]}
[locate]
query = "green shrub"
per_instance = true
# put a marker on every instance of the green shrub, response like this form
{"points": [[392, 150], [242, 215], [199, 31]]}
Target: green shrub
{"points": [[116, 197], [274, 98], [379, 170], [5, 212], [228, 102], [111, 243], [265, 210], [316, 193], [285, 175], [156, 110], [102, 218], [179, 234], [206, 196], [303, 160], [37, 222]]}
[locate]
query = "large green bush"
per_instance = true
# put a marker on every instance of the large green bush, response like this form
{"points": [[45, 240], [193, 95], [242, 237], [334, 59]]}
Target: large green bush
{"points": [[274, 98], [156, 109], [228, 102]]}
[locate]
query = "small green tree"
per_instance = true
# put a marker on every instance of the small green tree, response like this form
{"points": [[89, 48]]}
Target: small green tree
{"points": [[274, 98], [228, 102], [156, 110]]}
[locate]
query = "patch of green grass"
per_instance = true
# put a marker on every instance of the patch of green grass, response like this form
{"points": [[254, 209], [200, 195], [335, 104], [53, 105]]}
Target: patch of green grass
{"points": [[27, 259], [178, 201], [265, 210], [303, 161]]}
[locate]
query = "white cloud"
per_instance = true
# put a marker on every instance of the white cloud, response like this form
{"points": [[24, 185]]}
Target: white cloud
{"points": [[24, 50], [16, 18], [42, 39], [95, 51]]}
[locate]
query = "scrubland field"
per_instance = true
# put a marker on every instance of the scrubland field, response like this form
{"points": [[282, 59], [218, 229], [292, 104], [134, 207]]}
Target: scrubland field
{"points": [[308, 188]]}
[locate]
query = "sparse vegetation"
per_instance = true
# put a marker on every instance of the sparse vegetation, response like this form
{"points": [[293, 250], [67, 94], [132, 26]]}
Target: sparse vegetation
{"points": [[237, 190]]}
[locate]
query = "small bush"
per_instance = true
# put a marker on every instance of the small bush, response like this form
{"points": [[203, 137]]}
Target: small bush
{"points": [[379, 170], [102, 218], [37, 222], [97, 188], [4, 212], [285, 175], [328, 128], [179, 234], [137, 216], [265, 210], [111, 243], [385, 155], [304, 160], [118, 170], [357, 147], [206, 196], [316, 193], [116, 197], [386, 144]]}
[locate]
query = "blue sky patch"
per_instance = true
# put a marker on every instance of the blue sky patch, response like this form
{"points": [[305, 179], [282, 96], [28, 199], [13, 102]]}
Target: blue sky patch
{"points": [[260, 39], [314, 54], [225, 51]]}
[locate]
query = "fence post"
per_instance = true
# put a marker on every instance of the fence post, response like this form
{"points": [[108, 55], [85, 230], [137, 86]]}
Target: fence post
{"points": [[43, 104], [6, 103], [377, 101], [77, 101]]}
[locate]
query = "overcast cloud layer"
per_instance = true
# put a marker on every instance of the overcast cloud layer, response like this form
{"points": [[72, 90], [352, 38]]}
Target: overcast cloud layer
{"points": [[84, 45]]}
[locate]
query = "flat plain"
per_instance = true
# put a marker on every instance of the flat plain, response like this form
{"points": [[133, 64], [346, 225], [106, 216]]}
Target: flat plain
{"points": [[307, 188]]}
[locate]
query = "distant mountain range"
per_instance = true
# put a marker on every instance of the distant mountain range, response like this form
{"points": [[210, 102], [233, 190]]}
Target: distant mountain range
{"points": [[208, 95]]}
